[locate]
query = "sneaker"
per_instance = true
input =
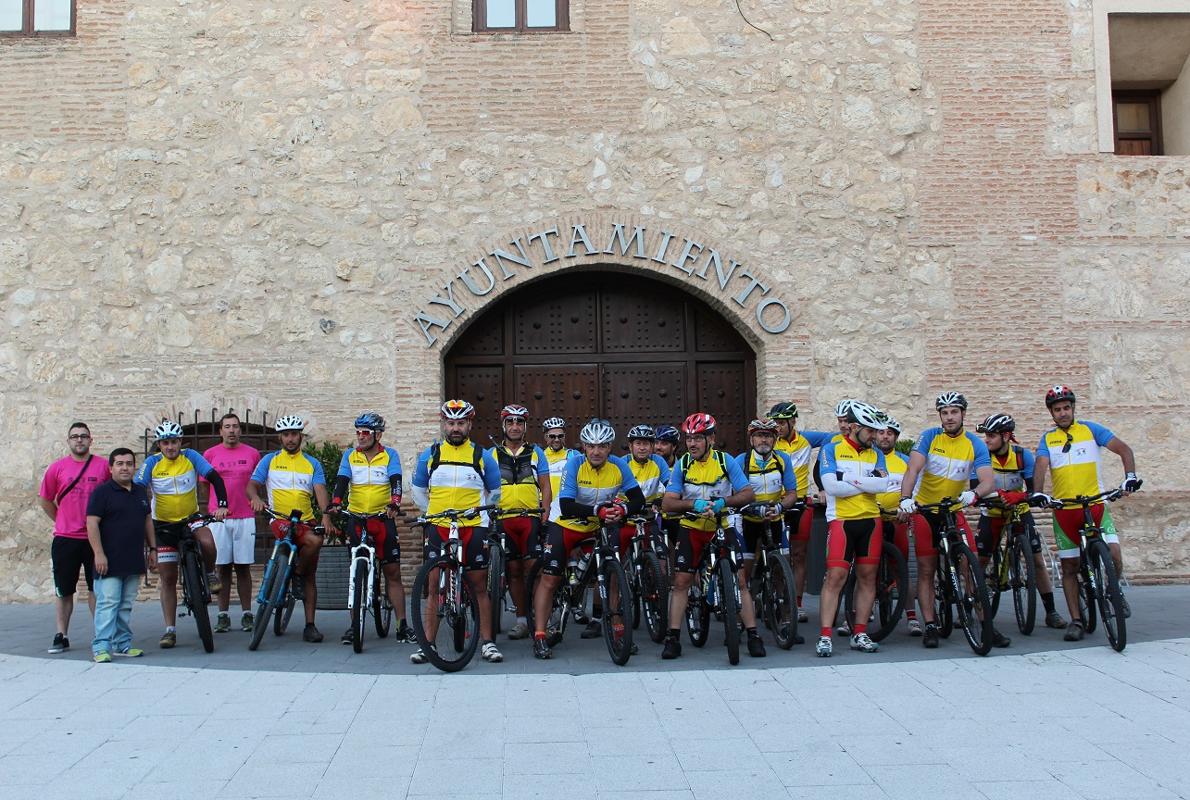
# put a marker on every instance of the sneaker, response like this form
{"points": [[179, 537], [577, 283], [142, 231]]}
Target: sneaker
{"points": [[593, 630], [491, 653], [247, 621], [863, 643], [1127, 608], [999, 639], [222, 623], [418, 656], [129, 652], [347, 637], [168, 640], [843, 630], [1074, 631], [1054, 620], [930, 636], [311, 634], [672, 648], [60, 644], [103, 657], [519, 631], [214, 583], [802, 616], [915, 627], [824, 647], [541, 648], [756, 646], [405, 634]]}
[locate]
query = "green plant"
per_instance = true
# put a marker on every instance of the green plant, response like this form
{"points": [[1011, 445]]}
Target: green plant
{"points": [[329, 455], [905, 445]]}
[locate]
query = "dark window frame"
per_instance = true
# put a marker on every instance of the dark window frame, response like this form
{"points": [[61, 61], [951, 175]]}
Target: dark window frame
{"points": [[1151, 97], [27, 30], [479, 18]]}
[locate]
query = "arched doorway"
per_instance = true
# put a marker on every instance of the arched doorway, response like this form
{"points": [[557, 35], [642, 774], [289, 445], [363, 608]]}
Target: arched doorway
{"points": [[631, 349]]}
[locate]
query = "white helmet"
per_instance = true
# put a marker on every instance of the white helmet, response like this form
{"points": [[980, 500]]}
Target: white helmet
{"points": [[843, 407], [597, 431], [289, 422], [168, 429], [867, 415], [553, 422]]}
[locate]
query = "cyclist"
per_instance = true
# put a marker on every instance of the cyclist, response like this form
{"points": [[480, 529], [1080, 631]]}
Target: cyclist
{"points": [[1070, 452], [171, 477], [894, 530], [651, 473], [665, 443], [704, 480], [524, 483], [1014, 467], [597, 488], [853, 474], [371, 472], [944, 458], [292, 478], [456, 474], [799, 446], [556, 453]]}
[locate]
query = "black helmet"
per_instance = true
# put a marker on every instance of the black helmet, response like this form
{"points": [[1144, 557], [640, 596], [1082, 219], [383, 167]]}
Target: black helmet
{"points": [[997, 423], [783, 411]]}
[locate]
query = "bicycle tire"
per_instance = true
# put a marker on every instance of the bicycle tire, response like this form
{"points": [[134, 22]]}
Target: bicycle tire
{"points": [[653, 598], [780, 601], [994, 582], [618, 647], [1111, 602], [467, 614], [972, 599], [1022, 579], [284, 614], [382, 607], [497, 581], [698, 613], [943, 610], [729, 602], [1086, 602], [264, 608], [358, 612], [192, 584]]}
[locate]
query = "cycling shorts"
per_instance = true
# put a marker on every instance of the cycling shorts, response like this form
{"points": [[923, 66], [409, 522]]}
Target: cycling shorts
{"points": [[67, 557], [167, 535], [627, 532], [897, 533], [691, 549], [672, 527], [853, 539], [991, 527], [928, 546], [280, 527], [524, 537], [1068, 525], [799, 523], [558, 543], [751, 535], [473, 545], [384, 537]]}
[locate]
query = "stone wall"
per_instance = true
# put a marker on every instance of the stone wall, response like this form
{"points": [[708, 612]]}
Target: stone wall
{"points": [[252, 209]]}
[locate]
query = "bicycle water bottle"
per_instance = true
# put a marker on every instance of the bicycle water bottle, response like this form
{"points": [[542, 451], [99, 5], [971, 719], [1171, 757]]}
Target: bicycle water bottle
{"points": [[572, 571], [583, 562], [708, 590]]}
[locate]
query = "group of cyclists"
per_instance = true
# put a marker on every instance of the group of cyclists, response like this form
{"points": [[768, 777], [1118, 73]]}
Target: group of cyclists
{"points": [[548, 500]]}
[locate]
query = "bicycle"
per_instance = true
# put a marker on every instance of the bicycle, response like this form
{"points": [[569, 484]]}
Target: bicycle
{"points": [[601, 564], [715, 589], [276, 597], [196, 594], [1011, 567], [771, 584], [1099, 585], [892, 580], [959, 581], [649, 579], [366, 587], [497, 566]]}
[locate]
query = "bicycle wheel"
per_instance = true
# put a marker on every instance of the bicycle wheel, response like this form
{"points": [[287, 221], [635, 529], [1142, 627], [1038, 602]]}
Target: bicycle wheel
{"points": [[192, 592], [780, 603], [458, 618], [359, 613], [497, 581], [729, 601], [617, 616], [265, 607], [1086, 598], [892, 580], [698, 613], [995, 575], [284, 614], [1110, 601], [944, 610], [1022, 578], [382, 607], [653, 597], [972, 607]]}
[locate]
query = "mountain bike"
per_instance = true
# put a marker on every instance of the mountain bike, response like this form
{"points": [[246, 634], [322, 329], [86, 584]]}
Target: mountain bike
{"points": [[771, 582], [649, 579], [1099, 586], [276, 597], [715, 589], [1011, 568], [498, 564], [960, 579], [367, 590], [892, 581], [196, 595]]}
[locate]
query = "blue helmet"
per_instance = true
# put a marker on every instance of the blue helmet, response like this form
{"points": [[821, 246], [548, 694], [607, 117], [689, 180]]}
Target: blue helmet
{"points": [[370, 420], [667, 433]]}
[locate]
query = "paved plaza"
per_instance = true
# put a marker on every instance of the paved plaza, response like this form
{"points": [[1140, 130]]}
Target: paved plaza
{"points": [[1041, 720]]}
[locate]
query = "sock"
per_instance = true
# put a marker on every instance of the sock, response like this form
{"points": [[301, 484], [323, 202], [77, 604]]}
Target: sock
{"points": [[171, 629], [672, 633], [799, 601], [825, 631], [400, 623], [1047, 600], [911, 614], [539, 634], [522, 620], [751, 632], [860, 627]]}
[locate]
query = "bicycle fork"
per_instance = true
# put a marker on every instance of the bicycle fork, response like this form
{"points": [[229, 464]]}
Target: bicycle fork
{"points": [[370, 561]]}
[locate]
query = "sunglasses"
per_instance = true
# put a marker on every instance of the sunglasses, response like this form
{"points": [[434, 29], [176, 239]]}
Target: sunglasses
{"points": [[1069, 442], [365, 432], [555, 436], [79, 436]]}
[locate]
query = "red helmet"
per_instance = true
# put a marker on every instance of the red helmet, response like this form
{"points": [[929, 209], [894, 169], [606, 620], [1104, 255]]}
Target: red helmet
{"points": [[1057, 394], [698, 423]]}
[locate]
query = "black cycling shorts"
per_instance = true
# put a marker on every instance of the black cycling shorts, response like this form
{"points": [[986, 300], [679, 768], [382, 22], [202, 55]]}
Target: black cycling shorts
{"points": [[990, 529], [67, 557], [473, 544], [384, 537]]}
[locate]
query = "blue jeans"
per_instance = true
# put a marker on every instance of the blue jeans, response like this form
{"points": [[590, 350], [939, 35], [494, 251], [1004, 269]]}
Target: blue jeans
{"points": [[113, 608]]}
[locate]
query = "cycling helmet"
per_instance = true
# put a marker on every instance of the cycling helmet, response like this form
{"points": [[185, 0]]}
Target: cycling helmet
{"points": [[698, 424], [457, 409], [783, 411], [843, 407], [553, 422], [867, 415], [891, 423], [370, 420], [642, 432], [168, 429], [668, 433], [997, 423], [289, 422], [597, 431], [950, 399], [766, 425], [1057, 394], [514, 411]]}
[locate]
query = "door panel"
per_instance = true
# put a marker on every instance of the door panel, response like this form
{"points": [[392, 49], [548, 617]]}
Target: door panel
{"points": [[643, 393], [484, 387], [570, 392], [721, 394], [642, 321], [556, 323]]}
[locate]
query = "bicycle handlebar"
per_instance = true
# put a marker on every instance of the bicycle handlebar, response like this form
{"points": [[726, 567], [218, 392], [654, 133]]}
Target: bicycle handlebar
{"points": [[1111, 495], [945, 504], [453, 514]]}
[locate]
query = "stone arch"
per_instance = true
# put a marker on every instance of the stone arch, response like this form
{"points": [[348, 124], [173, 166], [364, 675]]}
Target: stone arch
{"points": [[253, 407]]}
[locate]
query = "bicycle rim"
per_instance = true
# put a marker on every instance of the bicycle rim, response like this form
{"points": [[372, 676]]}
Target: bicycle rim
{"points": [[192, 590], [1022, 576], [457, 637], [382, 607], [780, 603], [892, 578], [617, 616], [729, 601], [261, 623], [358, 607], [698, 614], [972, 606]]}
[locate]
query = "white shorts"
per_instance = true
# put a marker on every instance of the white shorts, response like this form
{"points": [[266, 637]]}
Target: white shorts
{"points": [[235, 541]]}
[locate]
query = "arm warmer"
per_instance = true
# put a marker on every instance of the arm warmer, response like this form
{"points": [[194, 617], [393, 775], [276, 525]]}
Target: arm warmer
{"points": [[837, 488], [216, 481], [341, 483]]}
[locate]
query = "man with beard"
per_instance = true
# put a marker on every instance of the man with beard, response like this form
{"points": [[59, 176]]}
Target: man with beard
{"points": [[894, 530], [556, 453]]}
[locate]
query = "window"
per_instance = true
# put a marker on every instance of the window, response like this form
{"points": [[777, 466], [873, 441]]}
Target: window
{"points": [[1137, 123], [37, 17], [520, 16]]}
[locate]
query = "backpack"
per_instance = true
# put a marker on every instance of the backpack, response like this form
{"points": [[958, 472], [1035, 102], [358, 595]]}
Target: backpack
{"points": [[436, 458]]}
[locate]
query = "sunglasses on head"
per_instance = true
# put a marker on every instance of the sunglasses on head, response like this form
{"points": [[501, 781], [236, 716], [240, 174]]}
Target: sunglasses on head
{"points": [[1069, 442]]}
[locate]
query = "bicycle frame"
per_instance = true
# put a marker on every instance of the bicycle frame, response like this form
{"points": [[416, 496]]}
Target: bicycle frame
{"points": [[290, 545], [189, 548], [950, 534], [364, 551]]}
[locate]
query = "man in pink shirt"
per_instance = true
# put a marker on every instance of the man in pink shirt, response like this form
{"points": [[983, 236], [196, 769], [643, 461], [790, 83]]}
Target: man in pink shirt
{"points": [[235, 537], [64, 493]]}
